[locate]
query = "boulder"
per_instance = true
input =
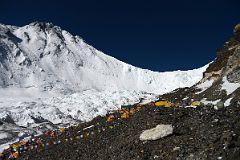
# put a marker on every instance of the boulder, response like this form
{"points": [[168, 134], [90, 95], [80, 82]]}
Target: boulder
{"points": [[219, 105], [158, 132]]}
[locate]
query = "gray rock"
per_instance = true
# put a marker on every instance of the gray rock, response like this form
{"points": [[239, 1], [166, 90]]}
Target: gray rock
{"points": [[220, 105], [158, 132]]}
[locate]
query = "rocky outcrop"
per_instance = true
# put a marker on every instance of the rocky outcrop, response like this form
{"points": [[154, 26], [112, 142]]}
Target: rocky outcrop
{"points": [[221, 80], [225, 70], [237, 31], [227, 60]]}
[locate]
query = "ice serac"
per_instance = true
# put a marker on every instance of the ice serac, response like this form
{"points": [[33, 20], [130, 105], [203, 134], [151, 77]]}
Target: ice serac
{"points": [[48, 76]]}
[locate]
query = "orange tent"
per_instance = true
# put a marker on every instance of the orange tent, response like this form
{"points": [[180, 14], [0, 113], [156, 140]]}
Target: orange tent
{"points": [[110, 118], [15, 154], [125, 115]]}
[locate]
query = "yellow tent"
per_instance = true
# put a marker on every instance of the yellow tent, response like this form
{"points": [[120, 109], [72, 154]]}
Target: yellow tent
{"points": [[164, 104], [15, 145], [61, 129], [196, 103]]}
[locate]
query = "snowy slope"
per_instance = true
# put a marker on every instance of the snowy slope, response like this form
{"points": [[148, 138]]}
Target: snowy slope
{"points": [[49, 75]]}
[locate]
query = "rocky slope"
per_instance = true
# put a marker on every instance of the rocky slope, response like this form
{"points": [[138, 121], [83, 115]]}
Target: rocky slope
{"points": [[198, 134]]}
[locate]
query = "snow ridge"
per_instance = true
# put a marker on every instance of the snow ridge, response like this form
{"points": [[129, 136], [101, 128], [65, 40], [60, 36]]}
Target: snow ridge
{"points": [[43, 56]]}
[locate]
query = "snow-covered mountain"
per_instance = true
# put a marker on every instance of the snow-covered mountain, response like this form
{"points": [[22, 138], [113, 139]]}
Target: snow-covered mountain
{"points": [[47, 58], [49, 76]]}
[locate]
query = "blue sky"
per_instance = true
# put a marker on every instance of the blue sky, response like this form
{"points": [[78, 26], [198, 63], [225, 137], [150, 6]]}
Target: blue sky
{"points": [[158, 35]]}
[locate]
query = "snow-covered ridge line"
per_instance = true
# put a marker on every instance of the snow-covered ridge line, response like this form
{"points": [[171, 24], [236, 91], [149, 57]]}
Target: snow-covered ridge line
{"points": [[43, 55]]}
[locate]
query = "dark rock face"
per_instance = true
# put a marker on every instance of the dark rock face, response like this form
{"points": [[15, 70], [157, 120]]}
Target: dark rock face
{"points": [[234, 77], [226, 64], [228, 57], [227, 60]]}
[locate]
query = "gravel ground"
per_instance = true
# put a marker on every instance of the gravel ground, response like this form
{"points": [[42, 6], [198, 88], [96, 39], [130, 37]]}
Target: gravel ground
{"points": [[200, 133]]}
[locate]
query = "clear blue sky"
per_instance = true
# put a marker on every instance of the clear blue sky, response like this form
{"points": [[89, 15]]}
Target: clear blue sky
{"points": [[155, 34]]}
